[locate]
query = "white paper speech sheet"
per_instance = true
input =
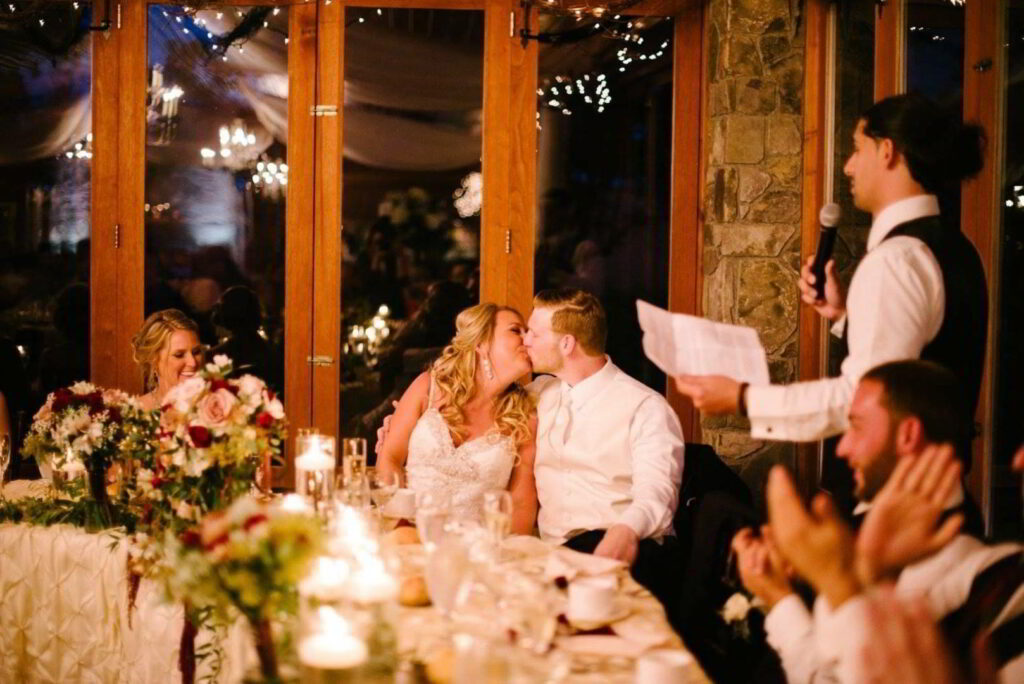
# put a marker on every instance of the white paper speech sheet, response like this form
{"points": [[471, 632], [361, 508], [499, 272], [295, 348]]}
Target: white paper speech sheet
{"points": [[679, 344]]}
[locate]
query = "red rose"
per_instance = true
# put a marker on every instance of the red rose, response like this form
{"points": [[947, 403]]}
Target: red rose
{"points": [[114, 414], [265, 420], [190, 538], [200, 436], [223, 384], [253, 520], [62, 399], [94, 401]]}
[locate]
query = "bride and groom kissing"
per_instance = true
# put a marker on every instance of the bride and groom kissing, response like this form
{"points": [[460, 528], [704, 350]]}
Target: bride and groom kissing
{"points": [[591, 455]]}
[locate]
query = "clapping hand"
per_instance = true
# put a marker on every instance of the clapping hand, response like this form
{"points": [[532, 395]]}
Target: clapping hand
{"points": [[902, 526], [761, 567], [904, 644], [816, 542], [834, 304], [711, 394]]}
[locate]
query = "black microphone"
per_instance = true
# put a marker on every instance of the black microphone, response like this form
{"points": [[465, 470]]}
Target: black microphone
{"points": [[828, 217]]}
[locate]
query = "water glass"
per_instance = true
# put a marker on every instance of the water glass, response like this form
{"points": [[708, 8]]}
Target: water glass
{"points": [[497, 516], [353, 458], [447, 567], [432, 512]]}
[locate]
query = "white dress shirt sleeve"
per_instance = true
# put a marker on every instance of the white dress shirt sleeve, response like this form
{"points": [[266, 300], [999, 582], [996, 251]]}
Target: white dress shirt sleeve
{"points": [[656, 452], [895, 307], [790, 631]]}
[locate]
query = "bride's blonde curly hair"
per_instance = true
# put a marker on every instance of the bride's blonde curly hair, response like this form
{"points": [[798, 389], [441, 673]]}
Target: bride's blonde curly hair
{"points": [[152, 338], [455, 372]]}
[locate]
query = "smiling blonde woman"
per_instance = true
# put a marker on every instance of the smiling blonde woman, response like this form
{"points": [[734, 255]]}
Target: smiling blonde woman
{"points": [[167, 350]]}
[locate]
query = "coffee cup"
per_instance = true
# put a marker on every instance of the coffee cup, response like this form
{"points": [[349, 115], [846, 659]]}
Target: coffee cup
{"points": [[591, 599], [402, 504]]}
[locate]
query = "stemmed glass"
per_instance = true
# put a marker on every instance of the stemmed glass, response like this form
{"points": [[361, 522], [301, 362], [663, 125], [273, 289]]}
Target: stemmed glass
{"points": [[432, 511], [383, 486], [5, 460], [497, 517]]}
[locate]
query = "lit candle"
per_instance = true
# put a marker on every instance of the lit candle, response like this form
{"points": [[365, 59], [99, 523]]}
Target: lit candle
{"points": [[373, 584], [315, 459], [294, 503], [333, 647], [327, 581]]}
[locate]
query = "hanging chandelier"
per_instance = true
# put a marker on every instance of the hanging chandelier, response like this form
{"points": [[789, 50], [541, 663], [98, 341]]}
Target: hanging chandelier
{"points": [[270, 177], [237, 147], [584, 8], [81, 149]]}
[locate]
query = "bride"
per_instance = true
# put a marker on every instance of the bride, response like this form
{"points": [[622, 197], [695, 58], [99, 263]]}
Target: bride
{"points": [[465, 426]]}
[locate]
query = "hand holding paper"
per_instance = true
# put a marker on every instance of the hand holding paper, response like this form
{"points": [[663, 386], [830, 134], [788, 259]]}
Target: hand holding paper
{"points": [[709, 360]]}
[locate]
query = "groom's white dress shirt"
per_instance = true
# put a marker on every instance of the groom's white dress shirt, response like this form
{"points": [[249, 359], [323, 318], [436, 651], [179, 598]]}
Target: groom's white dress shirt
{"points": [[609, 450], [895, 306]]}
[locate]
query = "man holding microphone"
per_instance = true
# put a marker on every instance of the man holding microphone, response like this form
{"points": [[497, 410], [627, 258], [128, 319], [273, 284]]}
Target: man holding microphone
{"points": [[919, 291]]}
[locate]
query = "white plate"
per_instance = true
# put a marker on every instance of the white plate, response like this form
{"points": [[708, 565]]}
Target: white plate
{"points": [[620, 612]]}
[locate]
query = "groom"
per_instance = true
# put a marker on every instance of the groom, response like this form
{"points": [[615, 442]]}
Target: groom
{"points": [[609, 454]]}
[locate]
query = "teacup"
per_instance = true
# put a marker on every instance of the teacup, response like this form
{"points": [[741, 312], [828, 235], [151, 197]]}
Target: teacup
{"points": [[402, 504], [592, 599]]}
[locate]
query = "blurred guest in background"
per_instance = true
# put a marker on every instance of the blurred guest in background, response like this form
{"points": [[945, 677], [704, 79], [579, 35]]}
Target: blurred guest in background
{"points": [[238, 311], [66, 361]]}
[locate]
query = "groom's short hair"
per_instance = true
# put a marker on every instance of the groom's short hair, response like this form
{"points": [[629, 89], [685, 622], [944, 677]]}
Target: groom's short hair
{"points": [[577, 313]]}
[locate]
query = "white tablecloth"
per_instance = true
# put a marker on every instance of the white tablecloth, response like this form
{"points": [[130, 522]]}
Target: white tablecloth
{"points": [[64, 614]]}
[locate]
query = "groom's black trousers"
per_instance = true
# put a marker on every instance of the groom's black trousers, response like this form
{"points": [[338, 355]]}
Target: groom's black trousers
{"points": [[657, 566]]}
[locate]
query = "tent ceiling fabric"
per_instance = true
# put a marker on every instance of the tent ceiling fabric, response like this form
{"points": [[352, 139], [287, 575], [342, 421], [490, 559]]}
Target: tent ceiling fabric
{"points": [[411, 103]]}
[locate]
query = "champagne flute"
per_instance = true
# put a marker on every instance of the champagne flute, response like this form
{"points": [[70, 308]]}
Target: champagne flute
{"points": [[5, 460], [497, 516], [353, 458], [432, 510]]}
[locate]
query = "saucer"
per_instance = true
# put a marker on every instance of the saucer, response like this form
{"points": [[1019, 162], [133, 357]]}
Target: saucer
{"points": [[619, 612]]}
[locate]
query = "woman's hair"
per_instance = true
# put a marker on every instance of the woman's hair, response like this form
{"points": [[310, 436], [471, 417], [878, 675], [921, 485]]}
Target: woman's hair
{"points": [[153, 336], [938, 147], [455, 372]]}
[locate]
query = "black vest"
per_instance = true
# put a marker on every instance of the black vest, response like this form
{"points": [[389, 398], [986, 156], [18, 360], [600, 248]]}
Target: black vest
{"points": [[960, 342]]}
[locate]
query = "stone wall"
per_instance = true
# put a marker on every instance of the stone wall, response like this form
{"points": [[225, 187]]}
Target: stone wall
{"points": [[752, 203]]}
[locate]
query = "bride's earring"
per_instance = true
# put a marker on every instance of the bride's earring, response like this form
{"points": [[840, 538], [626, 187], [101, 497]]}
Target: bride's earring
{"points": [[488, 370]]}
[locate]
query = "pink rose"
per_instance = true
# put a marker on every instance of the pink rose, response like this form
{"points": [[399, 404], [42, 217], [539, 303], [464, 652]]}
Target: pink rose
{"points": [[215, 408]]}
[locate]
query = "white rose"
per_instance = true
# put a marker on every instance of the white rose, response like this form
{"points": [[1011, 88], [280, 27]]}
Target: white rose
{"points": [[184, 393], [222, 360], [275, 409], [736, 608], [250, 387]]}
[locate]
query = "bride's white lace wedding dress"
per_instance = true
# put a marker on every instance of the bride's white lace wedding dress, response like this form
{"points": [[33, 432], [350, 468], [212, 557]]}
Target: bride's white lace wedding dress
{"points": [[464, 472]]}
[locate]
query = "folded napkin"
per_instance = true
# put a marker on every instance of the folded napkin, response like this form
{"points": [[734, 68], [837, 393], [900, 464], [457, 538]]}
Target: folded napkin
{"points": [[525, 546], [643, 630], [570, 564], [605, 645], [26, 489]]}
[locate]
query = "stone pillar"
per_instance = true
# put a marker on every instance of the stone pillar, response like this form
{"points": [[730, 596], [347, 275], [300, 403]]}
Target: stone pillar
{"points": [[752, 203]]}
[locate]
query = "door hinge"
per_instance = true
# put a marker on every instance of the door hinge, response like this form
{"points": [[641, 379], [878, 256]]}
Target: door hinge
{"points": [[118, 15], [320, 360], [323, 110], [508, 242], [511, 24], [117, 236]]}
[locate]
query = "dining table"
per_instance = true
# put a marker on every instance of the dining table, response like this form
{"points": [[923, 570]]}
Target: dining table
{"points": [[71, 611]]}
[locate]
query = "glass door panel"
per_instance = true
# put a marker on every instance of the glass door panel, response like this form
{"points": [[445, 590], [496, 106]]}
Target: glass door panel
{"points": [[1008, 281], [217, 169], [411, 194], [603, 170], [45, 163]]}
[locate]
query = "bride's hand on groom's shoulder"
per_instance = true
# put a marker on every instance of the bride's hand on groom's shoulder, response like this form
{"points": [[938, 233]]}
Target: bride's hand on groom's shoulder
{"points": [[619, 542], [382, 431]]}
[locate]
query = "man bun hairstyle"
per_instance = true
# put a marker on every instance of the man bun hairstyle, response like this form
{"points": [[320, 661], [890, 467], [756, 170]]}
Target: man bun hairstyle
{"points": [[577, 313], [931, 393], [939, 149]]}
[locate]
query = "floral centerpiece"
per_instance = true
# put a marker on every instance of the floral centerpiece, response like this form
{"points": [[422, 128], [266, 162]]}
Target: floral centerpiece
{"points": [[248, 558], [214, 436], [80, 431]]}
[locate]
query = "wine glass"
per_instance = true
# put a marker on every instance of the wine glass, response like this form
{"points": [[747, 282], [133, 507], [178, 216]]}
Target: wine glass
{"points": [[383, 486], [5, 460], [353, 458], [497, 516], [432, 511], [446, 569]]}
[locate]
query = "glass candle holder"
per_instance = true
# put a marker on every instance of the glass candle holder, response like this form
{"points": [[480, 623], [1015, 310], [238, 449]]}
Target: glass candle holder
{"points": [[314, 471], [329, 648]]}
